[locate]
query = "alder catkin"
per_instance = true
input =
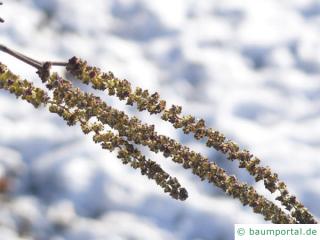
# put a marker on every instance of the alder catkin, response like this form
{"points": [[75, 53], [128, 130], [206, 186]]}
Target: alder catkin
{"points": [[76, 106], [144, 134], [108, 140], [154, 105]]}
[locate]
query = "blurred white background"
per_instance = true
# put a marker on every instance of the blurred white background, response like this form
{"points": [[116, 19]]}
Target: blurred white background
{"points": [[250, 68]]}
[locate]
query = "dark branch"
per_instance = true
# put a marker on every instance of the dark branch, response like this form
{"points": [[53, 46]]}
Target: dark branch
{"points": [[20, 56], [28, 60], [61, 64]]}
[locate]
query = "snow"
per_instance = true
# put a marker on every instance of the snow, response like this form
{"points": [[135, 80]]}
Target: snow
{"points": [[250, 68]]}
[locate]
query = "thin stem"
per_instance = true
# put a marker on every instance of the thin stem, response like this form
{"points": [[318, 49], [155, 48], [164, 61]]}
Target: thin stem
{"points": [[20, 56], [63, 64], [32, 62]]}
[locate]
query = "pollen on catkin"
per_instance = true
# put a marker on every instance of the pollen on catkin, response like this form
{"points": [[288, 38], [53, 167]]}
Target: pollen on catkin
{"points": [[127, 133], [144, 101]]}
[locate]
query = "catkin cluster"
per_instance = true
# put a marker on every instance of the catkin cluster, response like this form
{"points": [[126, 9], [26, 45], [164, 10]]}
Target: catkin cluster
{"points": [[138, 133], [152, 103], [108, 140], [93, 115]]}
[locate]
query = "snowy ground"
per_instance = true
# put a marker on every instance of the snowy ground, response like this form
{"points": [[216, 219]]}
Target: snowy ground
{"points": [[250, 68]]}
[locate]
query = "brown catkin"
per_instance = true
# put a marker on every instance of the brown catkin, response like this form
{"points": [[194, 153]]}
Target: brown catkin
{"points": [[126, 151], [76, 106], [21, 88], [144, 134], [154, 105], [108, 140]]}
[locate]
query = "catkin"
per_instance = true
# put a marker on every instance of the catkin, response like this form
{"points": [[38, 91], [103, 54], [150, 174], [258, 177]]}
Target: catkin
{"points": [[144, 134], [152, 103], [108, 140], [76, 106]]}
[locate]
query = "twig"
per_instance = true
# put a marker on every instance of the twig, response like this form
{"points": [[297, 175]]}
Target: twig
{"points": [[28, 60], [61, 64], [20, 56]]}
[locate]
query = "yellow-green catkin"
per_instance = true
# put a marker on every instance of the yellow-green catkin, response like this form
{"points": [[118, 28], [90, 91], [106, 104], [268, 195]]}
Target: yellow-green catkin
{"points": [[108, 140], [154, 105], [76, 106], [126, 151], [21, 88], [134, 131]]}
